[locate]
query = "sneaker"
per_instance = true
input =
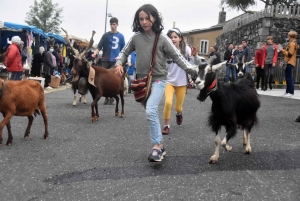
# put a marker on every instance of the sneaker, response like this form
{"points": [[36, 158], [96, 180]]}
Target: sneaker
{"points": [[179, 118], [166, 130], [163, 152], [288, 95], [156, 155], [284, 95], [49, 88], [106, 101]]}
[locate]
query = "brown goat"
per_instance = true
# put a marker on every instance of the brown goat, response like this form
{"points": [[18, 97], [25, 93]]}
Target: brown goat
{"points": [[21, 98], [108, 85], [106, 82]]}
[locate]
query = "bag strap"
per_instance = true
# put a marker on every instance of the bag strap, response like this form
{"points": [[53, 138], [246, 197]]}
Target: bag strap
{"points": [[154, 50]]}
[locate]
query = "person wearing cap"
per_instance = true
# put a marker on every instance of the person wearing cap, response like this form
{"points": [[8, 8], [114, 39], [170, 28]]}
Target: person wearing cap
{"points": [[111, 44], [13, 59]]}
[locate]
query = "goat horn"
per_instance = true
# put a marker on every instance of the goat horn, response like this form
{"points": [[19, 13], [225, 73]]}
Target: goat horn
{"points": [[76, 52], [243, 59], [90, 45], [211, 59], [217, 66]]}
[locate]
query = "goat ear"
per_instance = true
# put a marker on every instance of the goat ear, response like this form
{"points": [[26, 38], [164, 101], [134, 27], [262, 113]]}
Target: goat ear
{"points": [[217, 66]]}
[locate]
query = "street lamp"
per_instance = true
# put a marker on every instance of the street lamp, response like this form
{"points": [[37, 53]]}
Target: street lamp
{"points": [[106, 15]]}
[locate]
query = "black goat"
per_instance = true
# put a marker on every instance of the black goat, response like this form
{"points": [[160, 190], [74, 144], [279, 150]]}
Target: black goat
{"points": [[234, 105]]}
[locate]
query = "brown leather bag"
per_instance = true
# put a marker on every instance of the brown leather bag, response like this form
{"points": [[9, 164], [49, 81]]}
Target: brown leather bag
{"points": [[142, 87]]}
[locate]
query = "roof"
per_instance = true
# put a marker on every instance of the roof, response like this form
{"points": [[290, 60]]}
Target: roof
{"points": [[212, 28]]}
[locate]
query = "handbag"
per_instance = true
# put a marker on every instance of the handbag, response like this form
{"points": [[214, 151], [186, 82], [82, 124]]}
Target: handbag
{"points": [[142, 87], [283, 65]]}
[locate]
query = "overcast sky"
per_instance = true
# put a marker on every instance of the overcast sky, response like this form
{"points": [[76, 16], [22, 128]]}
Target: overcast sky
{"points": [[80, 17]]}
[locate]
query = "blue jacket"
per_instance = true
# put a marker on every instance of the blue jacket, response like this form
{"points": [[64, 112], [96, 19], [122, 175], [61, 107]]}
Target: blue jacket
{"points": [[132, 67], [112, 44]]}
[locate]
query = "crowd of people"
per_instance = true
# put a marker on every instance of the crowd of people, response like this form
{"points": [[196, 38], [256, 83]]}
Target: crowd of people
{"points": [[174, 61]]}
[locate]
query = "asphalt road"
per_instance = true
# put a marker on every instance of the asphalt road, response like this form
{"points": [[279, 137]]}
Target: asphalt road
{"points": [[107, 160]]}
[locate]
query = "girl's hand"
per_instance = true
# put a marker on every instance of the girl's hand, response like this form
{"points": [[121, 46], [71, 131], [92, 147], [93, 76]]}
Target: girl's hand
{"points": [[119, 70]]}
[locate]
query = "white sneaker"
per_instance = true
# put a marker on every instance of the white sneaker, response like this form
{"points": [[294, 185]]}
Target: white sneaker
{"points": [[288, 95], [49, 88], [284, 95]]}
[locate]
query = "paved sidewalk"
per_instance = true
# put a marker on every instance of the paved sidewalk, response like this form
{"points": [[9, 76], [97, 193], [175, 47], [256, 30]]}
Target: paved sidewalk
{"points": [[278, 93]]}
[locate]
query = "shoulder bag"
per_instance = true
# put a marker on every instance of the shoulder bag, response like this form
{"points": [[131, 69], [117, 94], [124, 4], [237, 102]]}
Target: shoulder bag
{"points": [[142, 87]]}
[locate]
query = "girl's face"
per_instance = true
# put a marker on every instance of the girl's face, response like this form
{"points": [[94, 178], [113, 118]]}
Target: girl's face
{"points": [[145, 22], [175, 39]]}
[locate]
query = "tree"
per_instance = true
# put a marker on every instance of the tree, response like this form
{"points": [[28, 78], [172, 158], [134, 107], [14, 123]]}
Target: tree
{"points": [[45, 15], [244, 4]]}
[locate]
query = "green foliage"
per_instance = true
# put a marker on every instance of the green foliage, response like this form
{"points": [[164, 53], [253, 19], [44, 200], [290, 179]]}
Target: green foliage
{"points": [[244, 4], [45, 15]]}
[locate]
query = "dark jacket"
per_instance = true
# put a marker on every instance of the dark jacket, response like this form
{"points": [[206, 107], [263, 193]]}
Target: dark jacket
{"points": [[217, 60], [48, 66], [37, 61], [227, 55], [247, 54]]}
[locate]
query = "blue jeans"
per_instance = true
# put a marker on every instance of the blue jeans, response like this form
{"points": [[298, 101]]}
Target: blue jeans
{"points": [[289, 79], [233, 73], [247, 69], [157, 92]]}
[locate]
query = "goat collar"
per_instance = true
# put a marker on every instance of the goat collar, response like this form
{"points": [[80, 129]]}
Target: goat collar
{"points": [[2, 89], [212, 85], [211, 88]]}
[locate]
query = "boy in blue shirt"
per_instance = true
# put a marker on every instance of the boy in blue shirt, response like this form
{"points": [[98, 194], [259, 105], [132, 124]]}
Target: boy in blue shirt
{"points": [[111, 43]]}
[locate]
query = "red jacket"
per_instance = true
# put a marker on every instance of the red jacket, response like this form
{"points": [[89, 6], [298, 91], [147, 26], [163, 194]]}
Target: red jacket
{"points": [[259, 58], [275, 53], [13, 59]]}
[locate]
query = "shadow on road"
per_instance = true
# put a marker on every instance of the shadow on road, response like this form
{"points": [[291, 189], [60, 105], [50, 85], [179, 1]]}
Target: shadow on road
{"points": [[184, 165]]}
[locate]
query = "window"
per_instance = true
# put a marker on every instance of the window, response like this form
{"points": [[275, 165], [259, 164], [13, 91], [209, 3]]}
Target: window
{"points": [[204, 47]]}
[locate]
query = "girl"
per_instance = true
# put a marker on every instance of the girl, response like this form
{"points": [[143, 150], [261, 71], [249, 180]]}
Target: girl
{"points": [[290, 53], [176, 81], [147, 23]]}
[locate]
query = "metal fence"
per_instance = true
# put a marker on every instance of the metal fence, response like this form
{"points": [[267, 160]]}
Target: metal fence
{"points": [[280, 74], [278, 11]]}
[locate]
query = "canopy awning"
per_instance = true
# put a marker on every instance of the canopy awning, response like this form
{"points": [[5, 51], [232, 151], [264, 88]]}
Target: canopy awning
{"points": [[80, 41], [57, 38], [20, 27]]}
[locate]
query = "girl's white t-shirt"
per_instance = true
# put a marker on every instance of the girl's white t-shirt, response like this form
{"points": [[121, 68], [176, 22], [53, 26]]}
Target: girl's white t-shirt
{"points": [[177, 76]]}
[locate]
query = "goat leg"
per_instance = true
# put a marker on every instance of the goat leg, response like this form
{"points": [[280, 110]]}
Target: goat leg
{"points": [[225, 145], [214, 158], [244, 138], [74, 103], [117, 105], [27, 131], [248, 147], [10, 138], [5, 121]]}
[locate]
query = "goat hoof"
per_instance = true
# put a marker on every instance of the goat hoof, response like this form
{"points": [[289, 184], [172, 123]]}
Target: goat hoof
{"points": [[248, 151], [9, 144], [244, 144], [94, 119], [0, 145], [228, 148], [116, 114], [213, 159], [74, 104], [26, 137], [46, 137], [122, 116]]}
